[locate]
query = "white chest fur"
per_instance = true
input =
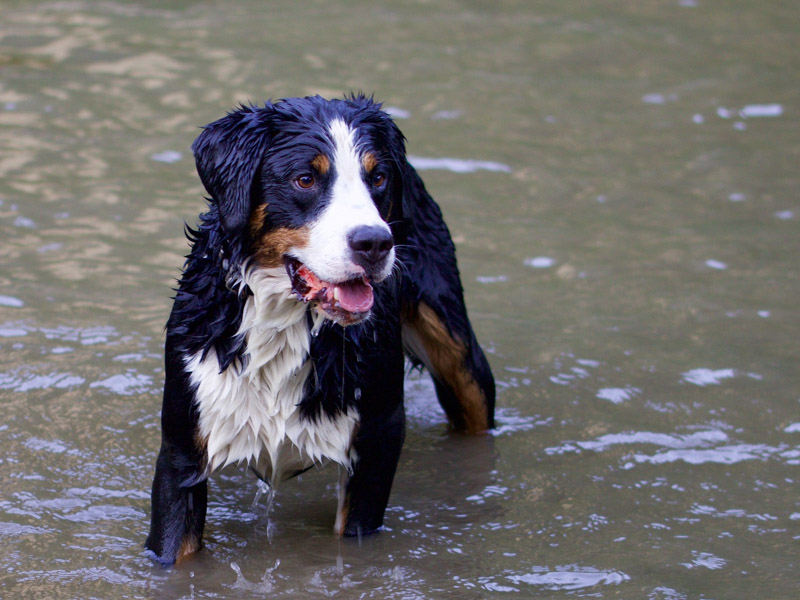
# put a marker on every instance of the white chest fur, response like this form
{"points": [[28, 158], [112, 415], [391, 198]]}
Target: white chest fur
{"points": [[251, 414]]}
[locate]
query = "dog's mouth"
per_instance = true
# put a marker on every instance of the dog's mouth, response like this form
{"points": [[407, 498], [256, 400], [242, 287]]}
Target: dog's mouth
{"points": [[346, 302]]}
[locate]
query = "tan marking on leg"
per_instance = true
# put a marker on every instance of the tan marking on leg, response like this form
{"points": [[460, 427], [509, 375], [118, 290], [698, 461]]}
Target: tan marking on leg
{"points": [[200, 440], [189, 546], [370, 161], [445, 358], [321, 164], [343, 503]]}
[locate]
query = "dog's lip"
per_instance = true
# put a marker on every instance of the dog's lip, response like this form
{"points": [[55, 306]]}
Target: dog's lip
{"points": [[347, 301]]}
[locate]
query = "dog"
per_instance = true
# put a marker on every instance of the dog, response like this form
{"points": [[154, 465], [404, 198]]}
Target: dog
{"points": [[320, 264]]}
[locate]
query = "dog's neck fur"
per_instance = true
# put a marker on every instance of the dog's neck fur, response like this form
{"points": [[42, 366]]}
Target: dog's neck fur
{"points": [[249, 412]]}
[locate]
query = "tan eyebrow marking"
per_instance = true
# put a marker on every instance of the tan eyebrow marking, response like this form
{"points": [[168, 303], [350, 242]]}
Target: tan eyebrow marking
{"points": [[370, 161], [321, 163]]}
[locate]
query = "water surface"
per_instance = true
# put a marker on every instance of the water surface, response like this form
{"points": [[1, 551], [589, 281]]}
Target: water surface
{"points": [[621, 182]]}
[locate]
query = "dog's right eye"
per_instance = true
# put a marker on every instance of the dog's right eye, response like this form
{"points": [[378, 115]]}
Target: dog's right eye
{"points": [[305, 181]]}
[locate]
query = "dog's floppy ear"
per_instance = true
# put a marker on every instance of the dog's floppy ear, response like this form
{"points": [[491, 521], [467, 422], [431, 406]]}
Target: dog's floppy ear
{"points": [[399, 214], [228, 154]]}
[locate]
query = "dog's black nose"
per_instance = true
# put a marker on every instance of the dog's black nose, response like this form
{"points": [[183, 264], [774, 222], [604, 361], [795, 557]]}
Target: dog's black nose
{"points": [[370, 245]]}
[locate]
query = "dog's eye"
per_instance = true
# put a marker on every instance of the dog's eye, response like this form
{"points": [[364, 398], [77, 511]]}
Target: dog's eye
{"points": [[378, 180], [305, 181]]}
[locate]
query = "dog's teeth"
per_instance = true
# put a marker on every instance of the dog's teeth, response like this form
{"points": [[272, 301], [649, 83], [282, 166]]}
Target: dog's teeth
{"points": [[336, 293]]}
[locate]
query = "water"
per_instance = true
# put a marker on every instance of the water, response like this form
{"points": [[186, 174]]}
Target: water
{"points": [[621, 181]]}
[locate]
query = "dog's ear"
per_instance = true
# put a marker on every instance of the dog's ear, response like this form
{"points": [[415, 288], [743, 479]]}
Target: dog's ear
{"points": [[403, 181], [228, 154]]}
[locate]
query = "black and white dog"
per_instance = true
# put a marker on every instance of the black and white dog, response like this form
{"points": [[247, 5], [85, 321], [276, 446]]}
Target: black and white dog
{"points": [[320, 262]]}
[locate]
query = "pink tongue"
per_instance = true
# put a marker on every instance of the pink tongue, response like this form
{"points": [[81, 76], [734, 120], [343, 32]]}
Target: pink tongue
{"points": [[355, 296]]}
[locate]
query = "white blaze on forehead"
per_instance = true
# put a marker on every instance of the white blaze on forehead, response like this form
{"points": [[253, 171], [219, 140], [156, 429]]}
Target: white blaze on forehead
{"points": [[346, 154], [349, 193], [350, 205]]}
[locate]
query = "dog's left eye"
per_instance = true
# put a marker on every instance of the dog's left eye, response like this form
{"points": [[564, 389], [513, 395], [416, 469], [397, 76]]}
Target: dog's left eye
{"points": [[378, 180], [305, 181]]}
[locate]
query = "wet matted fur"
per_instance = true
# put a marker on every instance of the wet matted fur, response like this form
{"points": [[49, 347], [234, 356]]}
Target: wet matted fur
{"points": [[320, 264]]}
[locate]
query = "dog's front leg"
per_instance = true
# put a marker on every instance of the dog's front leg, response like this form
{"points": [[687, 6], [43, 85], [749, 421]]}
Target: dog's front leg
{"points": [[363, 495], [179, 493], [178, 507]]}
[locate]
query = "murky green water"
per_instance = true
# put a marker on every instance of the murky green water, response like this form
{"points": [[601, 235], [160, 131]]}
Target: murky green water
{"points": [[634, 276]]}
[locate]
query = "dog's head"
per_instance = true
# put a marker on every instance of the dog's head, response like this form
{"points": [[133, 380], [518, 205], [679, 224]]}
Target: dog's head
{"points": [[313, 186]]}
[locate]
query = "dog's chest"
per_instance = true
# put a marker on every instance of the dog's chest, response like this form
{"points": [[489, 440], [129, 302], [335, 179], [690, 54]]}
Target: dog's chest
{"points": [[251, 414]]}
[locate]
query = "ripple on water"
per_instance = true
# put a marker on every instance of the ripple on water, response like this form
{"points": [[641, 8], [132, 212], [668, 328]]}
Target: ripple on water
{"points": [[695, 448], [490, 491], [126, 384], [14, 530], [11, 331], [87, 336], [703, 377], [104, 512], [32, 381], [508, 420], [486, 279], [560, 578], [665, 440], [539, 262], [457, 165], [761, 110], [736, 513], [617, 395], [717, 265], [705, 560], [725, 455], [167, 156], [52, 446], [11, 302]]}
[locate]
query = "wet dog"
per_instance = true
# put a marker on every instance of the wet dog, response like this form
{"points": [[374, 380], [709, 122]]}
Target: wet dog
{"points": [[320, 264]]}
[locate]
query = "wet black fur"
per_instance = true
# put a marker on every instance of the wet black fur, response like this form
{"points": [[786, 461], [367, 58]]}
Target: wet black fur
{"points": [[243, 160]]}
